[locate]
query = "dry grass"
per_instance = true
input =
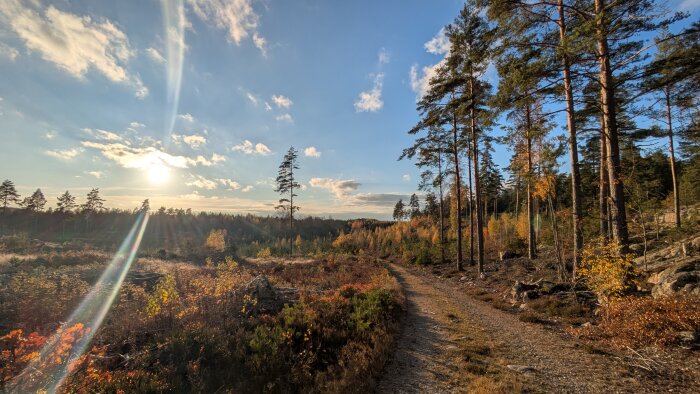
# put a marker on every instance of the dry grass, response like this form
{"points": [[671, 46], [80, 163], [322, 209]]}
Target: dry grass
{"points": [[644, 321]]}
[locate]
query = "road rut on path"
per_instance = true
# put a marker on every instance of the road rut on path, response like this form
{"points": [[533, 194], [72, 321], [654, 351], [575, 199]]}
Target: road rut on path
{"points": [[449, 339]]}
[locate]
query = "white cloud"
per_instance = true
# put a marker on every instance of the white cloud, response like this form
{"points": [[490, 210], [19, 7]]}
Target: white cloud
{"points": [[371, 100], [406, 178], [50, 135], [339, 187], [384, 56], [96, 174], [420, 81], [267, 106], [440, 44], [136, 125], [8, 51], [194, 196], [260, 43], [247, 189], [103, 134], [216, 158], [237, 17], [201, 182], [186, 117], [312, 152], [252, 98], [285, 118], [421, 84], [144, 157], [155, 55], [282, 101], [65, 154], [248, 148], [74, 43], [230, 183], [195, 141]]}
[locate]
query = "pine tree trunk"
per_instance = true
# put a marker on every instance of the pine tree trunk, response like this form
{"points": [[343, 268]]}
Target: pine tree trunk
{"points": [[291, 210], [442, 210], [603, 191], [531, 240], [470, 206], [607, 90], [477, 182], [458, 192], [573, 144], [672, 158]]}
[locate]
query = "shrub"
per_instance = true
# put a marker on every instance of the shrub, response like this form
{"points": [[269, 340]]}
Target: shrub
{"points": [[216, 240], [605, 270], [264, 253], [637, 321]]}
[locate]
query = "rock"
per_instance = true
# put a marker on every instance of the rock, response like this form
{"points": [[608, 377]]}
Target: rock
{"points": [[521, 368], [519, 290], [682, 278], [508, 254], [265, 298], [462, 279]]}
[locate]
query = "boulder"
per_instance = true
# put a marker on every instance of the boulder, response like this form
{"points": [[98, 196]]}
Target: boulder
{"points": [[264, 297], [682, 278], [523, 291]]}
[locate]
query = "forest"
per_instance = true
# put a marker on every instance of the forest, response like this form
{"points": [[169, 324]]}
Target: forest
{"points": [[575, 268]]}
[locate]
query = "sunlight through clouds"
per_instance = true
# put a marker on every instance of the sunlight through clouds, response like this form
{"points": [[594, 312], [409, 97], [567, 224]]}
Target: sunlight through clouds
{"points": [[74, 43]]}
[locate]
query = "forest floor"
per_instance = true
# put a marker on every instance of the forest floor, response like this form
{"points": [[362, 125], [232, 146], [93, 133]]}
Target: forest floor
{"points": [[452, 342]]}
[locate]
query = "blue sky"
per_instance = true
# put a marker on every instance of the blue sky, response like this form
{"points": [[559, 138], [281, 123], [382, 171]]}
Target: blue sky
{"points": [[87, 94]]}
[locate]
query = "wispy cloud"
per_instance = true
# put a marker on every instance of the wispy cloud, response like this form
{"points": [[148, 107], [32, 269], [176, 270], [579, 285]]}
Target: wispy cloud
{"points": [[186, 117], [406, 178], [201, 182], [64, 154], [96, 174], [282, 101], [247, 189], [230, 183], [155, 55], [341, 188], [8, 52], [103, 135], [195, 141], [237, 17], [260, 43], [285, 118], [248, 148], [72, 42]]}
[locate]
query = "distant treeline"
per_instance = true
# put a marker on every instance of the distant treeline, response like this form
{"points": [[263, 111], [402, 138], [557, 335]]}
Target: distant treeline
{"points": [[173, 231]]}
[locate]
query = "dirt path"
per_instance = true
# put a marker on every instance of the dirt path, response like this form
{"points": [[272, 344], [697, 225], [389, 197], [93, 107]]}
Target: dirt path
{"points": [[453, 343]]}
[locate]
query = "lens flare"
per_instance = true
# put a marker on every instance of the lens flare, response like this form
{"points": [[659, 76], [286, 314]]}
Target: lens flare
{"points": [[174, 31], [61, 353]]}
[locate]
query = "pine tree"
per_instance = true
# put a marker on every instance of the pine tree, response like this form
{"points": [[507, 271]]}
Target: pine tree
{"points": [[66, 202], [145, 206], [8, 194], [36, 202], [286, 183], [414, 206], [399, 211], [94, 202]]}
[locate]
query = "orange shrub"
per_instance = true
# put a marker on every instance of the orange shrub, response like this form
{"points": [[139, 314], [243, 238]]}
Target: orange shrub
{"points": [[638, 322]]}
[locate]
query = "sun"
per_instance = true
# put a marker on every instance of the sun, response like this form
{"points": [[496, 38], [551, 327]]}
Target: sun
{"points": [[158, 174]]}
